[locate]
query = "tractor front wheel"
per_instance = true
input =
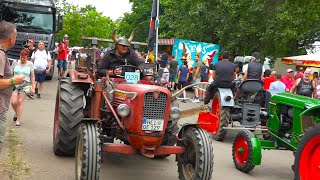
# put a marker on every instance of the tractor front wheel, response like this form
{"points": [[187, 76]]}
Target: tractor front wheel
{"points": [[88, 157], [242, 151], [307, 159], [223, 114], [196, 163]]}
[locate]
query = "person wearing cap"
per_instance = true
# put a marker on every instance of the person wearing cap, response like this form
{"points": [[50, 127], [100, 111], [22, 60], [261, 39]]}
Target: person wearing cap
{"points": [[305, 86], [120, 55], [255, 69], [288, 79], [223, 74], [62, 57], [31, 46]]}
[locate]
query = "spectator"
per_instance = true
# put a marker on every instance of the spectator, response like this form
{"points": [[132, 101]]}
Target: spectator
{"points": [[288, 80], [8, 35], [31, 46], [183, 76], [305, 86], [56, 50], [299, 74], [63, 56], [24, 67], [318, 89], [204, 74], [163, 60], [268, 80], [277, 85], [42, 64], [196, 78], [166, 74], [173, 72], [315, 76]]}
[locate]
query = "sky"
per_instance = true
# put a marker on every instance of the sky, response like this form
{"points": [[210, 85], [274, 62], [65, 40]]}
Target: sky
{"points": [[110, 8]]}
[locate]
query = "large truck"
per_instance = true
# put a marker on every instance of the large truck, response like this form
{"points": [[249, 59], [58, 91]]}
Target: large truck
{"points": [[35, 19]]}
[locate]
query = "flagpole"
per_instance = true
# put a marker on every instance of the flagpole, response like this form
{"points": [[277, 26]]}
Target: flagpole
{"points": [[157, 34]]}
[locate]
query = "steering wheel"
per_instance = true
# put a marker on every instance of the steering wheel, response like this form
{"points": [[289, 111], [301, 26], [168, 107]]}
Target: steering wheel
{"points": [[124, 69]]}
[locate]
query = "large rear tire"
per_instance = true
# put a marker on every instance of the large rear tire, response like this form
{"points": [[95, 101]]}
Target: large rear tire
{"points": [[88, 152], [196, 163], [68, 115], [242, 151], [307, 158], [224, 116]]}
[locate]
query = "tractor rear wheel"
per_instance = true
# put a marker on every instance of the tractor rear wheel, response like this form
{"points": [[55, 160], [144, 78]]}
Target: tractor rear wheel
{"points": [[224, 116], [67, 118], [307, 159], [196, 163], [88, 152], [242, 151]]}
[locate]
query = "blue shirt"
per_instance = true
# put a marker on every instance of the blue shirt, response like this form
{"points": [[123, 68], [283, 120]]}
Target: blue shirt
{"points": [[183, 73], [277, 86]]}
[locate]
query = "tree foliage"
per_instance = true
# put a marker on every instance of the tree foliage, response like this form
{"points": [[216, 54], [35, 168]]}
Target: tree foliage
{"points": [[274, 28], [84, 21]]}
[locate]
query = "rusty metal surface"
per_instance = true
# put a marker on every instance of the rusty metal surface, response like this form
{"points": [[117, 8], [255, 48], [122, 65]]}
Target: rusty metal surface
{"points": [[74, 77], [193, 111], [129, 150]]}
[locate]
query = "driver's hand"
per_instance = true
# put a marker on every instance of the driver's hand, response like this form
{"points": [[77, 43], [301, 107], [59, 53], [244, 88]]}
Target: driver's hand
{"points": [[117, 71]]}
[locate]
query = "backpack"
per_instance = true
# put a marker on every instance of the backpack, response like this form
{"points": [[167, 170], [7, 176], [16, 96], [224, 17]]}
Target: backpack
{"points": [[204, 72]]}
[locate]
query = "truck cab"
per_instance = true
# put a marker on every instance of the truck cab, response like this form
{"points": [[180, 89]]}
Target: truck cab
{"points": [[35, 19]]}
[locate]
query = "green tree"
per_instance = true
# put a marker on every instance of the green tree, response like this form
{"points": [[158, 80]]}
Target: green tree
{"points": [[85, 21]]}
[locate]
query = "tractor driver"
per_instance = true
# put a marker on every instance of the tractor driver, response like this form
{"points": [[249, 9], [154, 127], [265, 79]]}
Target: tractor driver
{"points": [[120, 55], [224, 72]]}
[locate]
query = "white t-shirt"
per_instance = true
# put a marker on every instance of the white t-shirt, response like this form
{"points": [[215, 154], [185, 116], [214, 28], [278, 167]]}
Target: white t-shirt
{"points": [[40, 59]]}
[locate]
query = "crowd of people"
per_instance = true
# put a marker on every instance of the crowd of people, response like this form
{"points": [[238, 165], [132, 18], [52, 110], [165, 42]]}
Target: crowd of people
{"points": [[28, 74]]}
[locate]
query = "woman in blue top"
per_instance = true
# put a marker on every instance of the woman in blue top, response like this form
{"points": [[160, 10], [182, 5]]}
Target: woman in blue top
{"points": [[23, 67]]}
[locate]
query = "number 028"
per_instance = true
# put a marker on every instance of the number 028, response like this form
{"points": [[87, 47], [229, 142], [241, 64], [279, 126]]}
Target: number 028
{"points": [[132, 77]]}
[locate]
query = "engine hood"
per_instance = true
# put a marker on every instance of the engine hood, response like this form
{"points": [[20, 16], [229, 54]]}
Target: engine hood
{"points": [[141, 88]]}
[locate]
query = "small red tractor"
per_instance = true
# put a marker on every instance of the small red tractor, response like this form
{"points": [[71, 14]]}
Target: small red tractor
{"points": [[91, 113]]}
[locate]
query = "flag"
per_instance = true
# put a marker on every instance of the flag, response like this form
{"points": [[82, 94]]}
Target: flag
{"points": [[152, 31]]}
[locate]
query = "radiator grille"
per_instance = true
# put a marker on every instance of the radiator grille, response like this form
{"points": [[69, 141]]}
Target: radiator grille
{"points": [[154, 108]]}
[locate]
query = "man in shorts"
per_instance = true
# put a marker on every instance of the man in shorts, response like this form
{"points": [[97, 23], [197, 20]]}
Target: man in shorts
{"points": [[63, 55], [196, 78], [42, 63]]}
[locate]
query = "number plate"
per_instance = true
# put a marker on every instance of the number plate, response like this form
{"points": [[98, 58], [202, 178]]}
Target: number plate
{"points": [[132, 77], [152, 125]]}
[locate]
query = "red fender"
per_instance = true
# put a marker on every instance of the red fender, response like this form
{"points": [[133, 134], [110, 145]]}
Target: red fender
{"points": [[208, 121]]}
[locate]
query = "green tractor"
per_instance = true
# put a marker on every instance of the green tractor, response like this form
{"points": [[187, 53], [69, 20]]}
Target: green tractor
{"points": [[293, 124]]}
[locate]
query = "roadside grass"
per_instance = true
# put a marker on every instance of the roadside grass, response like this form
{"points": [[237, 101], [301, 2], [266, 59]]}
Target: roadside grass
{"points": [[15, 166]]}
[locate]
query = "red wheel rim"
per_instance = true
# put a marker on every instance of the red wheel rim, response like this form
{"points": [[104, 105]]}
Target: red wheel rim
{"points": [[216, 111], [309, 165], [241, 150]]}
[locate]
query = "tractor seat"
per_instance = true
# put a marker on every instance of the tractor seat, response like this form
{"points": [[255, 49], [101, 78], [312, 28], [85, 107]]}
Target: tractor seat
{"points": [[251, 85]]}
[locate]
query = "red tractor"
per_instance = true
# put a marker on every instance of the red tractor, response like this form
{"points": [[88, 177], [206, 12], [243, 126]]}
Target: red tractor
{"points": [[91, 113]]}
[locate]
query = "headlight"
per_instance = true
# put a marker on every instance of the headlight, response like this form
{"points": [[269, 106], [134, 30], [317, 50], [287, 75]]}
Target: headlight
{"points": [[123, 110], [175, 113]]}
